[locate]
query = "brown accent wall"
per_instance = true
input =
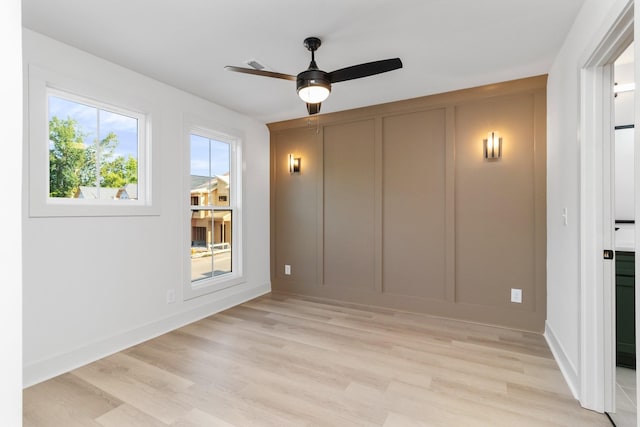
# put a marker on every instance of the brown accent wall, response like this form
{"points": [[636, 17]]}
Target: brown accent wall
{"points": [[395, 205]]}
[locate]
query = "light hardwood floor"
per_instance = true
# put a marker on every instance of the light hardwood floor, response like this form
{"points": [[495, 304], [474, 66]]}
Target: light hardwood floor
{"points": [[281, 360]]}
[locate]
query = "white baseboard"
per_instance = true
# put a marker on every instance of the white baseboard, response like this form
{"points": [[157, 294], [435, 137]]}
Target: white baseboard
{"points": [[569, 371], [43, 370]]}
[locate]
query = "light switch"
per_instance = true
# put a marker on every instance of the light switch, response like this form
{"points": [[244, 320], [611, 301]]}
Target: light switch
{"points": [[564, 216], [287, 269]]}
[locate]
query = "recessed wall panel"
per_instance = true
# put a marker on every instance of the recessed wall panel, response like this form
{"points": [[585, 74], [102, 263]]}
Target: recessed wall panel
{"points": [[414, 204], [295, 206], [349, 204], [495, 211]]}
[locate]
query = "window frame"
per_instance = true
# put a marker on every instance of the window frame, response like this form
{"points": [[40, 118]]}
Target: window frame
{"points": [[44, 83], [236, 276]]}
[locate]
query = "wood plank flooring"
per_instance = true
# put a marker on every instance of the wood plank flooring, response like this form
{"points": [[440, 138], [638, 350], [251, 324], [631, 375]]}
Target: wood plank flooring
{"points": [[281, 360]]}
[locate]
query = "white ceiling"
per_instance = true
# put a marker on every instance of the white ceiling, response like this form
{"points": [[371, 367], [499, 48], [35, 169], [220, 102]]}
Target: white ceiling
{"points": [[444, 44]]}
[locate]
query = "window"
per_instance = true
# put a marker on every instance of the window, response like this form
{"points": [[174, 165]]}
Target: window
{"points": [[89, 149], [93, 150], [214, 212]]}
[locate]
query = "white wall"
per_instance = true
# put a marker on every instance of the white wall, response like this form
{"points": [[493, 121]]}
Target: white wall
{"points": [[624, 141], [563, 186], [95, 285], [624, 170], [10, 215], [624, 74]]}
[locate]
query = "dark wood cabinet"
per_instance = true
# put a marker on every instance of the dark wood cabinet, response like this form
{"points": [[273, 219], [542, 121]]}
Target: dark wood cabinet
{"points": [[625, 310]]}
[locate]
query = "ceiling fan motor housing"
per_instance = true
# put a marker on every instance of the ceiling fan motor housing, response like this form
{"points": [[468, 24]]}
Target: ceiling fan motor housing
{"points": [[313, 78]]}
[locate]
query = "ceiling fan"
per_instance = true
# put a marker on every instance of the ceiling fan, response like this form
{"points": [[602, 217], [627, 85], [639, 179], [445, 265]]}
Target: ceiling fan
{"points": [[314, 85]]}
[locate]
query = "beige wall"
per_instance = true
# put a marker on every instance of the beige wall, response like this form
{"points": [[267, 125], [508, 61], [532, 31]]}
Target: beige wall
{"points": [[396, 207]]}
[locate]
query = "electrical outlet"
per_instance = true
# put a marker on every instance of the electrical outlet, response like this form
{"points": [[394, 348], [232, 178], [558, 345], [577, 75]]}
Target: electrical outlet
{"points": [[171, 296], [516, 295], [287, 269]]}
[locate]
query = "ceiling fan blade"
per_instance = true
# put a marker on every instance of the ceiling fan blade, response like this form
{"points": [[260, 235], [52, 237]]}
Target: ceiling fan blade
{"points": [[260, 72], [365, 70]]}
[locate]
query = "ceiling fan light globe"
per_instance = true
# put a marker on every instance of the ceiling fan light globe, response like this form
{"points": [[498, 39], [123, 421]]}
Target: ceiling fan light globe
{"points": [[313, 94]]}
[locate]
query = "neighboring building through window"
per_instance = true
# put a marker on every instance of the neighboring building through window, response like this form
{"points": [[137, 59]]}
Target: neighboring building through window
{"points": [[93, 149], [212, 208], [198, 236]]}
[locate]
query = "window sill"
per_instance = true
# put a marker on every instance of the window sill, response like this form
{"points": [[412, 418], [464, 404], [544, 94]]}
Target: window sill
{"points": [[208, 286], [76, 208]]}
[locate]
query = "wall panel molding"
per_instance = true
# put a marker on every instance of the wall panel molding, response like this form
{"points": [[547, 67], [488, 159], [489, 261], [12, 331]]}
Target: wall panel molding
{"points": [[407, 214], [450, 207]]}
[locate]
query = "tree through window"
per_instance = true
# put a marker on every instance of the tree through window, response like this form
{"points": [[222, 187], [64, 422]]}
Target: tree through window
{"points": [[93, 151]]}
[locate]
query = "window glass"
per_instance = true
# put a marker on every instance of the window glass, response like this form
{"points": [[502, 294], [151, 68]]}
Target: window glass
{"points": [[93, 152], [211, 208]]}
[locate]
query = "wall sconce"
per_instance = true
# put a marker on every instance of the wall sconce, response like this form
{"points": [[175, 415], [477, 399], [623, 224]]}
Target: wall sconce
{"points": [[492, 146], [294, 164]]}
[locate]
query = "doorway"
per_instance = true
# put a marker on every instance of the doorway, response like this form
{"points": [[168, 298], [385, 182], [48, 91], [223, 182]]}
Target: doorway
{"points": [[625, 410], [597, 364]]}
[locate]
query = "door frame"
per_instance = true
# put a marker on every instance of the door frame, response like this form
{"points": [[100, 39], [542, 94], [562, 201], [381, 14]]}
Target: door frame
{"points": [[597, 276]]}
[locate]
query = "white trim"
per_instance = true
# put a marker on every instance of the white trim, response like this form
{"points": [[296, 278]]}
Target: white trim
{"points": [[636, 120], [567, 368], [41, 83], [141, 155], [42, 370], [596, 356], [208, 129], [11, 211], [591, 316], [608, 220]]}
